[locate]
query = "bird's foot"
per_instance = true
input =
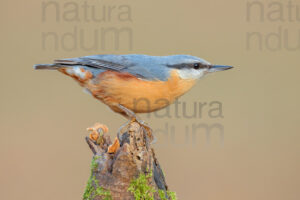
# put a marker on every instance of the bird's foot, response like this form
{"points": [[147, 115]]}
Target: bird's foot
{"points": [[134, 118]]}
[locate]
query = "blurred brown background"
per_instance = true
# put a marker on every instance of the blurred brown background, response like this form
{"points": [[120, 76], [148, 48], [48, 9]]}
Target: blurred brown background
{"points": [[44, 113]]}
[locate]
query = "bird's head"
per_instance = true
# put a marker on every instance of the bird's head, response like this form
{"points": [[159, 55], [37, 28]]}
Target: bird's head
{"points": [[191, 67]]}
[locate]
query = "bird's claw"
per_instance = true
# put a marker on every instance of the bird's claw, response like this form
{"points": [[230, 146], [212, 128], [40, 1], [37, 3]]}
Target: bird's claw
{"points": [[134, 118]]}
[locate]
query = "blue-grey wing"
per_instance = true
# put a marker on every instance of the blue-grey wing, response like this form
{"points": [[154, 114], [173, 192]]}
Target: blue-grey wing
{"points": [[141, 66], [101, 62]]}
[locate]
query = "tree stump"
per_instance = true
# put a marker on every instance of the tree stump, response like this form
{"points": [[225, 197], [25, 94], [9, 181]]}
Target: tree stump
{"points": [[126, 169]]}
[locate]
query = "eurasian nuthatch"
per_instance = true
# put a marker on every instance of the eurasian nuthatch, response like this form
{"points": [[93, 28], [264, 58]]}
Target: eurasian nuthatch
{"points": [[139, 83]]}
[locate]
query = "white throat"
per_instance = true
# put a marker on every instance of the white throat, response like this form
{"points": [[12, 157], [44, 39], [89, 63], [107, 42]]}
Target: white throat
{"points": [[191, 73]]}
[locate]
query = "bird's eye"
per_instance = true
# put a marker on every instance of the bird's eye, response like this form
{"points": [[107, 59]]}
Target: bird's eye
{"points": [[196, 66]]}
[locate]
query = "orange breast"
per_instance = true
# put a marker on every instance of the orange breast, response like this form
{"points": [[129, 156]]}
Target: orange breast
{"points": [[138, 95]]}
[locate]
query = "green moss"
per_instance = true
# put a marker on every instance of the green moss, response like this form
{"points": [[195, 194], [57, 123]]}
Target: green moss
{"points": [[171, 195], [93, 189], [141, 189], [161, 194], [94, 164]]}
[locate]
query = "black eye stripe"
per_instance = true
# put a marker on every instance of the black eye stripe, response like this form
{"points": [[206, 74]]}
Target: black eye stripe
{"points": [[187, 66], [200, 66]]}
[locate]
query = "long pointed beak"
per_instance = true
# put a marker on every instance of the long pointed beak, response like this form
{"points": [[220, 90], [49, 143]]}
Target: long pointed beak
{"points": [[216, 68]]}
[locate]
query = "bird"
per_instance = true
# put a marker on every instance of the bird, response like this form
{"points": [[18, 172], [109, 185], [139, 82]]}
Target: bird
{"points": [[135, 83]]}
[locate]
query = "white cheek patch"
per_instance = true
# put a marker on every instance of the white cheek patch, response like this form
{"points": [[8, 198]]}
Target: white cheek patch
{"points": [[191, 73]]}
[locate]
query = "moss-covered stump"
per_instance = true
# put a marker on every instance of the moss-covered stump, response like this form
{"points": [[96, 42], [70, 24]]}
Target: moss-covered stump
{"points": [[130, 171]]}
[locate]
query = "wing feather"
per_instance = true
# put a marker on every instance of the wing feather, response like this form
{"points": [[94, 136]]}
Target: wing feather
{"points": [[92, 62], [142, 66]]}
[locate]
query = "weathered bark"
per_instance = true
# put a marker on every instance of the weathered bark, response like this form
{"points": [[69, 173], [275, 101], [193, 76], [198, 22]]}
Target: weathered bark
{"points": [[114, 172]]}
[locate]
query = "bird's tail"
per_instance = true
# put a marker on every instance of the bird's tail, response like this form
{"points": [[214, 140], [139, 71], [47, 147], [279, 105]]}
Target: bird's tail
{"points": [[47, 66]]}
